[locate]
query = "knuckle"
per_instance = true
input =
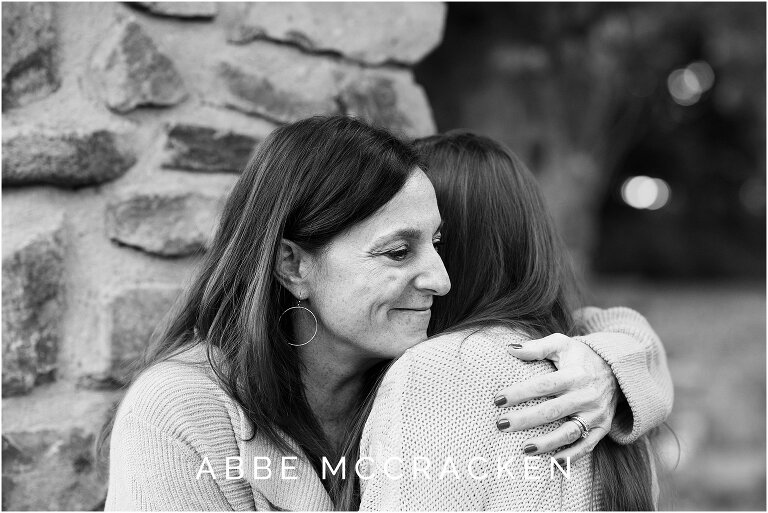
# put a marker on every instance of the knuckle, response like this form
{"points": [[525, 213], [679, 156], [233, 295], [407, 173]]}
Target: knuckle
{"points": [[599, 420], [552, 412], [581, 376], [542, 386], [595, 392], [570, 380]]}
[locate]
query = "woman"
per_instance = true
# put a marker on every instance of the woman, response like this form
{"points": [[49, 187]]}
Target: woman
{"points": [[322, 270], [511, 284]]}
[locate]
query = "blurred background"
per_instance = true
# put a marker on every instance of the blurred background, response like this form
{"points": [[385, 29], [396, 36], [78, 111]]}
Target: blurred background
{"points": [[125, 124], [645, 124]]}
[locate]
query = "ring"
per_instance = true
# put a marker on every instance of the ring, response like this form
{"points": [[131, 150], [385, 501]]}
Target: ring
{"points": [[582, 425]]}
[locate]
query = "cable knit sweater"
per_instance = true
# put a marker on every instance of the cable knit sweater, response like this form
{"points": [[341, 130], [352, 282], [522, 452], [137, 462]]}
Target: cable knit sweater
{"points": [[176, 428], [431, 442]]}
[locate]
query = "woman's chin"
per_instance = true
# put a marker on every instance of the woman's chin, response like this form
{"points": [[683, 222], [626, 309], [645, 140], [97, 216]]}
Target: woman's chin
{"points": [[409, 340]]}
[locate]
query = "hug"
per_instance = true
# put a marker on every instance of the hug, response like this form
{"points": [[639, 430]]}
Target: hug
{"points": [[368, 297]]}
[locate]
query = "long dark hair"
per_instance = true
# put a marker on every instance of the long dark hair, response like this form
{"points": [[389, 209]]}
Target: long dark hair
{"points": [[307, 182], [507, 267], [498, 244]]}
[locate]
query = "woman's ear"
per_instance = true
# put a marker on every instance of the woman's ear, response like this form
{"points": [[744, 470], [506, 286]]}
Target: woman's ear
{"points": [[292, 268]]}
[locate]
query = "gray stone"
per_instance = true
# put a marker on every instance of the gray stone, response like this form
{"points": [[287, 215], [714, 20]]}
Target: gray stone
{"points": [[135, 313], [279, 83], [130, 71], [30, 70], [167, 223], [63, 464], [180, 9], [206, 149], [33, 299], [372, 32], [66, 158], [49, 462], [284, 85], [391, 100]]}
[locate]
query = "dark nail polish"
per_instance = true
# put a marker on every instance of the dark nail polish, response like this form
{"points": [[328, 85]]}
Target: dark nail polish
{"points": [[516, 346], [500, 401], [503, 424], [561, 462], [528, 449]]}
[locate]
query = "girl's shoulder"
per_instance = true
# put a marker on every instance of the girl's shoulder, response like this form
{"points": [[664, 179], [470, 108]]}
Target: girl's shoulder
{"points": [[476, 358], [474, 342]]}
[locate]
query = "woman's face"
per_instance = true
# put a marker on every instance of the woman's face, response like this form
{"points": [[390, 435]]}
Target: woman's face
{"points": [[372, 286]]}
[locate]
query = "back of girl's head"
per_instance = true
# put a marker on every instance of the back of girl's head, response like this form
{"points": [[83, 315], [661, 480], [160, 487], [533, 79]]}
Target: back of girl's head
{"points": [[504, 258], [508, 266]]}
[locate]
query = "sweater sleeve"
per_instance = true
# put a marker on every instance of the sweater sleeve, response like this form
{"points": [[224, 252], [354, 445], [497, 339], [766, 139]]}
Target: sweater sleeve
{"points": [[626, 341], [152, 470]]}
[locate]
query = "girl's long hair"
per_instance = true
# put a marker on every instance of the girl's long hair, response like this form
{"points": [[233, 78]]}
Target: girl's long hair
{"points": [[507, 267], [306, 182]]}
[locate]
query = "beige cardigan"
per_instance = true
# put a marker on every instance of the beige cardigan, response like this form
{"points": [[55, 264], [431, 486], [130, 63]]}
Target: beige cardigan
{"points": [[175, 418]]}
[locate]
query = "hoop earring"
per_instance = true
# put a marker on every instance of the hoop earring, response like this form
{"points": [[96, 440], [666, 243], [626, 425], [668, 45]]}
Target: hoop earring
{"points": [[299, 307]]}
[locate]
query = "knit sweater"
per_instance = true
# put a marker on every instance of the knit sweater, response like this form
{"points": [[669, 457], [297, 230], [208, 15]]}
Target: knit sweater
{"points": [[431, 442], [176, 429]]}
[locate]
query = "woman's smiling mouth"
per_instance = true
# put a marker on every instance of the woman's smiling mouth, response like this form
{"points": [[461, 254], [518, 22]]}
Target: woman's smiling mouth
{"points": [[417, 312]]}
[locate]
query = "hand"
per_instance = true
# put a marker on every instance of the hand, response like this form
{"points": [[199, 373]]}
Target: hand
{"points": [[583, 385]]}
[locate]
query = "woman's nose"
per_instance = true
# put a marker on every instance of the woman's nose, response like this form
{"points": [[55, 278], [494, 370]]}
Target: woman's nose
{"points": [[434, 277]]}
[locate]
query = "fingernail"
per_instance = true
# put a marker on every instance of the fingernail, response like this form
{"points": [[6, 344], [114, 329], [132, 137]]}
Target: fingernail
{"points": [[528, 449], [503, 424], [500, 401], [560, 461], [516, 346]]}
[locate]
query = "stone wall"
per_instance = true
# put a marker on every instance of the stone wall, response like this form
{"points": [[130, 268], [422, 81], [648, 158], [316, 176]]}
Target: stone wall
{"points": [[124, 128]]}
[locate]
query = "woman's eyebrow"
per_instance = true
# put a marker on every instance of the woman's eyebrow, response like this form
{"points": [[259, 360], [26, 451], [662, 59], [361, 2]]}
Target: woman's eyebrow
{"points": [[404, 233]]}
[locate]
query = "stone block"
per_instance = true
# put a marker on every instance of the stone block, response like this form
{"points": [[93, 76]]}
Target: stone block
{"points": [[207, 149], [371, 32], [134, 314], [49, 462], [284, 85], [30, 67], [205, 10], [388, 99], [279, 83], [33, 297], [65, 158], [130, 71], [163, 221]]}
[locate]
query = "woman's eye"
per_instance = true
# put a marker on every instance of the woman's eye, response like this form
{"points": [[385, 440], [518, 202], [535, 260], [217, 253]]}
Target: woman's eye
{"points": [[437, 243], [398, 254]]}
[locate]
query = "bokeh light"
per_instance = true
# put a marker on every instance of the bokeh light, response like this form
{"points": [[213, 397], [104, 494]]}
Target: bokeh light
{"points": [[704, 74], [644, 192], [686, 85], [752, 196]]}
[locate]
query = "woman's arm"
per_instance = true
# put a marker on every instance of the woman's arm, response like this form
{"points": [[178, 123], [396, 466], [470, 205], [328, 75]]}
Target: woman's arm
{"points": [[620, 349], [627, 342], [152, 470]]}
